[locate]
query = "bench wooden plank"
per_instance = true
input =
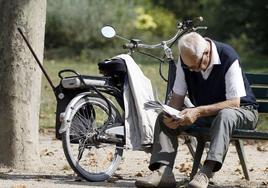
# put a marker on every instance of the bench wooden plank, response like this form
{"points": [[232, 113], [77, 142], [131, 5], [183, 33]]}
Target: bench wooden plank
{"points": [[259, 78], [260, 92], [263, 106], [203, 132], [249, 134]]}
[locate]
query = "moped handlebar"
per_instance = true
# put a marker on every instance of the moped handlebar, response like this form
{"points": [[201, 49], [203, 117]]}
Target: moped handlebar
{"points": [[183, 27]]}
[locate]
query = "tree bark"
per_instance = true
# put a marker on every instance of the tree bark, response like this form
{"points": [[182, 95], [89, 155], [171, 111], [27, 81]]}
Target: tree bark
{"points": [[20, 82]]}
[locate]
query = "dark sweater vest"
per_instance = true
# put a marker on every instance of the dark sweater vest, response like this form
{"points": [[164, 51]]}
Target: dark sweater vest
{"points": [[212, 90]]}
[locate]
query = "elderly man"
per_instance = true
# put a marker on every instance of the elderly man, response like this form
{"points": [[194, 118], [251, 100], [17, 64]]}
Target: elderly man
{"points": [[211, 73]]}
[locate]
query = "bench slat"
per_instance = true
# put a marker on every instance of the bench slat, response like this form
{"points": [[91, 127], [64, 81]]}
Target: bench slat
{"points": [[259, 78], [237, 134], [260, 93], [250, 134], [263, 107]]}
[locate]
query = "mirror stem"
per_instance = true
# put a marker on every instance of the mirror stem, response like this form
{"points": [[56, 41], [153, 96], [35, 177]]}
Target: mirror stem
{"points": [[122, 38]]}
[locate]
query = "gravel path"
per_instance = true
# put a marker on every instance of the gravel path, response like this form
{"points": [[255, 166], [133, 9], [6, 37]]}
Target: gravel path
{"points": [[55, 171]]}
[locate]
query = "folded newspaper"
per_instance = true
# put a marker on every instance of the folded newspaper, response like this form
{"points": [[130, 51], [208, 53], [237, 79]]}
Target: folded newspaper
{"points": [[174, 113]]}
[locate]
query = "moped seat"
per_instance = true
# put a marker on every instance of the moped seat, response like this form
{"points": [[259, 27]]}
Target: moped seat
{"points": [[113, 66]]}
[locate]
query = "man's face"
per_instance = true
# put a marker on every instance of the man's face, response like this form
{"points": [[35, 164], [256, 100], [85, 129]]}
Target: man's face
{"points": [[193, 63]]}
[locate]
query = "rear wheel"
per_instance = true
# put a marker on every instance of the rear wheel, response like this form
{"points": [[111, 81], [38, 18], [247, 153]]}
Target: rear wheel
{"points": [[93, 156]]}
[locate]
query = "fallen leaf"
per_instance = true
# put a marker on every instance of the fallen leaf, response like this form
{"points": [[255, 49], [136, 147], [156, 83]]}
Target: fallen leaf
{"points": [[238, 171], [264, 183], [185, 168], [46, 152], [118, 176], [114, 178], [139, 174], [262, 148]]}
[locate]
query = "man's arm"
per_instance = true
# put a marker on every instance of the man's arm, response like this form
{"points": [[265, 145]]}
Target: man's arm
{"points": [[213, 109], [190, 115], [176, 101]]}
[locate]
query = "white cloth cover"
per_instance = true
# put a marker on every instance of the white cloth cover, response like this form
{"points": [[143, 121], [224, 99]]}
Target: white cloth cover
{"points": [[139, 123]]}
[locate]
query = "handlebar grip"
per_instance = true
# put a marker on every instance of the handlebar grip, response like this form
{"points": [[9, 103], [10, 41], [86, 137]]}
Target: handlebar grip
{"points": [[198, 19], [129, 46], [191, 23]]}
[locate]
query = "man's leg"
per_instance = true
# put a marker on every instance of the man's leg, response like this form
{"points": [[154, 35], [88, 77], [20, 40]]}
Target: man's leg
{"points": [[222, 128], [165, 145], [163, 156], [221, 131]]}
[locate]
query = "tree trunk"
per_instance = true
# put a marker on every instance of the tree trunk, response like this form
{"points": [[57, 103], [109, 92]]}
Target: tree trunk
{"points": [[20, 82]]}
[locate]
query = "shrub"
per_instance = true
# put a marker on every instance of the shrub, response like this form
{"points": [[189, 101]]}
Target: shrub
{"points": [[77, 24]]}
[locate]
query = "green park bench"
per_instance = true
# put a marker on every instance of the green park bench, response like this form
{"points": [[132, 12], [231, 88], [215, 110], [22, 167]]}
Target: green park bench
{"points": [[259, 85]]}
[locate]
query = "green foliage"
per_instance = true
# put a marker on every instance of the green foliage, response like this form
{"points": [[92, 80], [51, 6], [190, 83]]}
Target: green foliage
{"points": [[262, 123], [73, 27], [257, 26], [160, 21], [165, 21], [255, 63], [241, 44], [227, 20], [76, 24]]}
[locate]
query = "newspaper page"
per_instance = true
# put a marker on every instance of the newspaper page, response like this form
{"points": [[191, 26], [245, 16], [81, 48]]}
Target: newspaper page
{"points": [[174, 113]]}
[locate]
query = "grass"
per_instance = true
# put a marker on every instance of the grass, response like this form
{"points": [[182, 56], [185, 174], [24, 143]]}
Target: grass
{"points": [[48, 100]]}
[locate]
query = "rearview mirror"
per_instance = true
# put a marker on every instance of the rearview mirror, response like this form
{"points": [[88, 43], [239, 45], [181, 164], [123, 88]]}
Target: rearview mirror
{"points": [[108, 31]]}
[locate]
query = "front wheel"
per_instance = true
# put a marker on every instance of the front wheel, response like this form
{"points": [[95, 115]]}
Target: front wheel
{"points": [[92, 158]]}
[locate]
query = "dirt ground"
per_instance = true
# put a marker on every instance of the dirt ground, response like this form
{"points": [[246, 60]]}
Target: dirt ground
{"points": [[55, 171]]}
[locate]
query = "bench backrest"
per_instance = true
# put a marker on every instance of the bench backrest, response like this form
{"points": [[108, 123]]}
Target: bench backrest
{"points": [[259, 86]]}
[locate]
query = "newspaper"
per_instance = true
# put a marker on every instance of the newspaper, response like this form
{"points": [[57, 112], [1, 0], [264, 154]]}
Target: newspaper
{"points": [[156, 105]]}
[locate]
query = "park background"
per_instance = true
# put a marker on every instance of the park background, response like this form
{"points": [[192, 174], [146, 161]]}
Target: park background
{"points": [[73, 39]]}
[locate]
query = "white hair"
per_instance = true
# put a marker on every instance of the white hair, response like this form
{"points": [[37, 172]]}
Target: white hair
{"points": [[194, 43]]}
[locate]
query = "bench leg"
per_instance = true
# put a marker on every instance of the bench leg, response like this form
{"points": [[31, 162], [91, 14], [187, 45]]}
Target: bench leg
{"points": [[241, 154], [189, 143], [198, 155]]}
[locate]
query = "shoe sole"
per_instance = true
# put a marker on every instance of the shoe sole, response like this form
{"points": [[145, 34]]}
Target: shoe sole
{"points": [[146, 185]]}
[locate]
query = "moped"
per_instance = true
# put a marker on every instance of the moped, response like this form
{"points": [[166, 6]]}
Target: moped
{"points": [[91, 110]]}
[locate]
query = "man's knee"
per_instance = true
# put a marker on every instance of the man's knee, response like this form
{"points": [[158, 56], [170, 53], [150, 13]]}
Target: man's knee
{"points": [[227, 114], [225, 119]]}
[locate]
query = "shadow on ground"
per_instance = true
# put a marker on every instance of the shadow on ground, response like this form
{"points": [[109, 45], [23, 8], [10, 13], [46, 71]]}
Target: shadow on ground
{"points": [[70, 180]]}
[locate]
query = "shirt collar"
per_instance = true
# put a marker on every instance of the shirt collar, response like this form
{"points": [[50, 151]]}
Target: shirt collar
{"points": [[215, 59]]}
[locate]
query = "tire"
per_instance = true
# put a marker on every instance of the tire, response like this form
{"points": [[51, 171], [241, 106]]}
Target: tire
{"points": [[96, 161]]}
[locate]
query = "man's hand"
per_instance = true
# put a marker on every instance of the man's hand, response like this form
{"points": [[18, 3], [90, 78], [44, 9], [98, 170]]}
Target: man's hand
{"points": [[170, 122], [189, 116]]}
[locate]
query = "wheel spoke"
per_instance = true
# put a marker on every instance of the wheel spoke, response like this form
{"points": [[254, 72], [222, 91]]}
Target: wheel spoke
{"points": [[81, 150]]}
